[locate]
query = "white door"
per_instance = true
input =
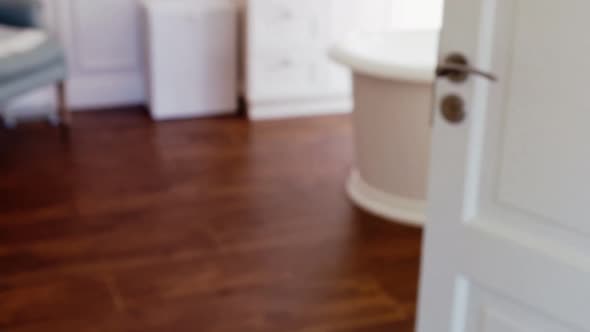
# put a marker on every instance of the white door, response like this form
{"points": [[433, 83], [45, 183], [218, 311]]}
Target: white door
{"points": [[507, 247]]}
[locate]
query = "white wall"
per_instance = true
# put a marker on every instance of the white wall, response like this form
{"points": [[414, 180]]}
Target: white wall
{"points": [[372, 15], [398, 14], [102, 39], [416, 14]]}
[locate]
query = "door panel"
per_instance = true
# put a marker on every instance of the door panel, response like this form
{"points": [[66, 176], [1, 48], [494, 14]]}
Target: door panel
{"points": [[492, 313], [542, 138], [532, 170], [507, 246]]}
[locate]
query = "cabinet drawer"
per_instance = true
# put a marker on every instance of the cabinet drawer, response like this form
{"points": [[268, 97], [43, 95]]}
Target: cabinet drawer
{"points": [[279, 75], [276, 24], [287, 43]]}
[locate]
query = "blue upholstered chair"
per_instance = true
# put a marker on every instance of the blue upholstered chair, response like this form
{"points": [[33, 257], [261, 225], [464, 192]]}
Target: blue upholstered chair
{"points": [[42, 66]]}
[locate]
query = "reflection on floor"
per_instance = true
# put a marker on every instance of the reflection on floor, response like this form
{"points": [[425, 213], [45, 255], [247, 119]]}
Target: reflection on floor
{"points": [[201, 225]]}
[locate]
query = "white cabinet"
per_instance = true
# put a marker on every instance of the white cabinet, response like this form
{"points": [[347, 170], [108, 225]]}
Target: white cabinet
{"points": [[192, 57], [288, 72]]}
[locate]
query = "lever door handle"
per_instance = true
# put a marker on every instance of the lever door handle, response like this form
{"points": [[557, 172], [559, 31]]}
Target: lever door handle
{"points": [[457, 69]]}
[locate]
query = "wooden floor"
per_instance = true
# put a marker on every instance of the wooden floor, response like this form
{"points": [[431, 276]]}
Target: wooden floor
{"points": [[201, 225]]}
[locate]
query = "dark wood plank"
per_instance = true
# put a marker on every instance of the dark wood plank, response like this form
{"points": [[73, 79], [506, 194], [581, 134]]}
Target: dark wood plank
{"points": [[200, 225]]}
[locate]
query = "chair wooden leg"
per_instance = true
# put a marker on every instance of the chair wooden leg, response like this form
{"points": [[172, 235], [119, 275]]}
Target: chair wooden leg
{"points": [[65, 118], [62, 109]]}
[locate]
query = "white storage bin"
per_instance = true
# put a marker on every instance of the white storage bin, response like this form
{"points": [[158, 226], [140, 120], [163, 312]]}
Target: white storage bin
{"points": [[192, 57]]}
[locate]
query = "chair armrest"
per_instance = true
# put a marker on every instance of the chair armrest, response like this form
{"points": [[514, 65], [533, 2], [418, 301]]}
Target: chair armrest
{"points": [[20, 13]]}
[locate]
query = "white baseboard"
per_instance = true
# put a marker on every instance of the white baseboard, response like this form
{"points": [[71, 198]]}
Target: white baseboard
{"points": [[107, 91], [210, 113], [298, 108], [397, 209]]}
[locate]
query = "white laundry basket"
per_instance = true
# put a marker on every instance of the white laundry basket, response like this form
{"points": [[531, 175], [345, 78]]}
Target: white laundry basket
{"points": [[191, 57]]}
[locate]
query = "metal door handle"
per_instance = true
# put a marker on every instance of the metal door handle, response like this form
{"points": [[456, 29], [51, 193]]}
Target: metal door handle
{"points": [[457, 69]]}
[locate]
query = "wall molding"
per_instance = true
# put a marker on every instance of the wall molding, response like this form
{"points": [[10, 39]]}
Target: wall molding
{"points": [[299, 108]]}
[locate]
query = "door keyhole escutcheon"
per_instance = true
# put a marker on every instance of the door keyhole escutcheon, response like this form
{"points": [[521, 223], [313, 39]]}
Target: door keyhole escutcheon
{"points": [[453, 109]]}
